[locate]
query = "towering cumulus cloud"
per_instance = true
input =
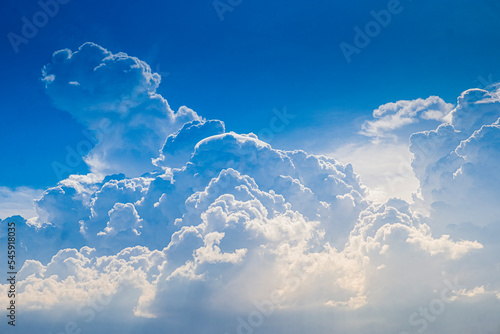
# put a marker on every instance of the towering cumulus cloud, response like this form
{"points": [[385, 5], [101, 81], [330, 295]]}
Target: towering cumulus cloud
{"points": [[114, 95], [457, 163], [184, 226]]}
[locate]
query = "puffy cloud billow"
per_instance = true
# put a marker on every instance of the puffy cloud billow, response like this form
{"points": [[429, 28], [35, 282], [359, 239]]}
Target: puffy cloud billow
{"points": [[184, 226], [405, 117], [114, 95]]}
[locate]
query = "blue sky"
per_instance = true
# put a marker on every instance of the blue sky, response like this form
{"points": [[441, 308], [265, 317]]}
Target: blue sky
{"points": [[261, 56]]}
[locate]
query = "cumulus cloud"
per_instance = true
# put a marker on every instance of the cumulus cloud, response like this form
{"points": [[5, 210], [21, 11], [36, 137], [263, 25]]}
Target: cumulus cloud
{"points": [[114, 96], [146, 210], [475, 108], [224, 233], [122, 217], [381, 156], [237, 253], [456, 162], [405, 116], [179, 146]]}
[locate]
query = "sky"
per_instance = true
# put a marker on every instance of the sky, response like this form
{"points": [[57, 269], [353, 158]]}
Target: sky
{"points": [[260, 57], [245, 166]]}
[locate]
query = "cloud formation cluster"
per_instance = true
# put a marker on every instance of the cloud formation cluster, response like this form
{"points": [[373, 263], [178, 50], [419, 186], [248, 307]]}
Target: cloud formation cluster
{"points": [[206, 230]]}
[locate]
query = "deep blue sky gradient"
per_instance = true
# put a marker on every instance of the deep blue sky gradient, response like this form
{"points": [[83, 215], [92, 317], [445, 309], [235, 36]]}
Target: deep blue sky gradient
{"points": [[264, 55]]}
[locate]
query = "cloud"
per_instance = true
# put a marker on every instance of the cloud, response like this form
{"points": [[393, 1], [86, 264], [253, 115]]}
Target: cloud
{"points": [[393, 118], [92, 83], [140, 210], [237, 254], [227, 234], [179, 146], [234, 243], [122, 217], [476, 107], [381, 156], [456, 162], [114, 96]]}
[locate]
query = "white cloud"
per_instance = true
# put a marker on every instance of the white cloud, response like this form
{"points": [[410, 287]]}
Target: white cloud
{"points": [[456, 163], [233, 235], [384, 161], [179, 146], [122, 217], [476, 107], [394, 116], [116, 99], [240, 252]]}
